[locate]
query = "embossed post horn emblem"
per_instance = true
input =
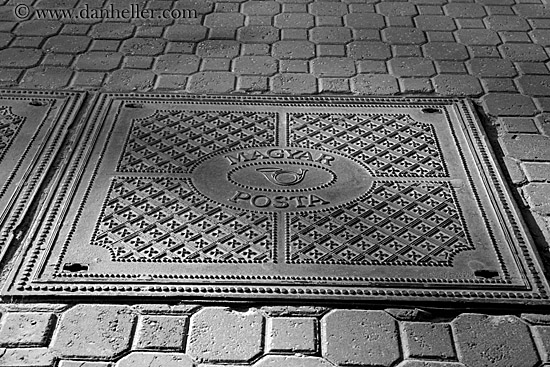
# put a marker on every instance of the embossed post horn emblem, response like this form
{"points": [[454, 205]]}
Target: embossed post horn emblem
{"points": [[283, 177]]}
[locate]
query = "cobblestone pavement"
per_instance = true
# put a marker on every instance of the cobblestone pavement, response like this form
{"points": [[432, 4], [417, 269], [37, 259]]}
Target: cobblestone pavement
{"points": [[495, 51]]}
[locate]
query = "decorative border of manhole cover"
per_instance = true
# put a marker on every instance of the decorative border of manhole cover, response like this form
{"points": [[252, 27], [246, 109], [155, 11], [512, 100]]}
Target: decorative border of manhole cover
{"points": [[263, 197], [32, 126]]}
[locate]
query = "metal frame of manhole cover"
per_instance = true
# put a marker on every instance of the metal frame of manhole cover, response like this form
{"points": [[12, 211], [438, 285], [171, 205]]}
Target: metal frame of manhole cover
{"points": [[32, 127], [274, 198]]}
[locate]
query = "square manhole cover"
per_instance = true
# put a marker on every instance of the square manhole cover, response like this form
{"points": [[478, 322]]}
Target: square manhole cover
{"points": [[281, 197], [32, 125]]}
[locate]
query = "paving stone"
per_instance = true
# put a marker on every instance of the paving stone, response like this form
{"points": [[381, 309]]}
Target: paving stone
{"points": [[98, 61], [407, 51], [171, 82], [288, 361], [27, 357], [532, 68], [523, 52], [151, 359], [537, 172], [514, 170], [331, 50], [19, 57], [293, 66], [137, 62], [291, 334], [329, 35], [517, 37], [534, 85], [366, 35], [252, 83], [57, 60], [536, 318], [412, 363], [143, 46], [67, 44], [490, 67], [216, 48], [415, 85], [373, 84], [258, 34], [294, 20], [360, 50], [149, 31], [222, 33], [293, 50], [332, 67], [411, 66], [83, 364], [435, 23], [230, 20], [408, 314], [93, 331], [294, 34], [255, 65], [457, 85], [477, 37], [445, 51], [507, 23], [328, 8], [88, 79], [364, 21], [391, 9], [399, 22], [260, 8], [296, 311], [185, 32], [334, 85], [501, 104], [518, 125], [43, 28], [161, 332], [177, 64], [294, 83], [9, 77], [541, 36], [27, 42], [105, 45], [112, 30], [21, 329], [527, 147], [541, 334], [5, 39], [450, 67], [427, 340], [255, 49], [537, 195], [483, 340], [328, 20], [221, 335], [457, 10], [46, 77], [349, 337], [439, 36], [211, 82], [215, 64], [463, 23], [403, 36]]}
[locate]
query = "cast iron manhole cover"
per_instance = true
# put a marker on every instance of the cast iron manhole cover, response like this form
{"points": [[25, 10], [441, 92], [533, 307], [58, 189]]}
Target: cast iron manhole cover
{"points": [[281, 197], [32, 125]]}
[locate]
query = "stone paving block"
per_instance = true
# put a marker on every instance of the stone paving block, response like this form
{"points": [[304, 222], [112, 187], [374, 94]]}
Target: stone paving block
{"points": [[5, 39], [161, 332], [76, 29], [332, 67], [230, 20], [329, 35], [415, 85], [427, 340], [171, 82], [328, 8], [457, 85], [215, 64], [98, 61], [288, 361], [477, 37], [514, 170], [331, 50], [27, 42], [403, 36], [364, 21], [374, 84], [255, 65], [391, 9], [291, 334], [361, 50], [260, 8], [429, 364], [143, 46], [334, 85], [26, 329], [534, 85], [137, 62], [435, 23], [26, 357], [88, 79], [537, 172], [19, 57], [46, 77], [9, 77], [507, 23], [222, 33], [501, 104], [445, 51], [57, 60], [458, 10], [83, 364], [293, 50], [38, 27], [411, 66], [293, 66], [112, 30], [541, 36], [105, 45], [93, 331], [483, 340], [399, 22], [211, 82], [255, 49], [67, 44], [518, 125], [407, 51], [130, 79], [294, 34], [252, 83], [527, 146], [532, 68], [523, 52], [517, 37], [450, 67], [541, 334], [294, 83], [177, 64], [217, 48], [440, 36], [328, 20], [185, 32], [359, 338], [150, 359], [294, 311], [498, 85], [221, 335], [537, 195], [490, 67], [258, 34], [294, 20]]}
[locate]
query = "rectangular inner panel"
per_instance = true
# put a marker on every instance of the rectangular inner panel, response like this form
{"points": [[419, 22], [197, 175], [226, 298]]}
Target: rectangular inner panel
{"points": [[272, 197]]}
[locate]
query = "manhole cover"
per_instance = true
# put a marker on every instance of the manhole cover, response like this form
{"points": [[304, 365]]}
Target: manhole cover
{"points": [[281, 197], [32, 125]]}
